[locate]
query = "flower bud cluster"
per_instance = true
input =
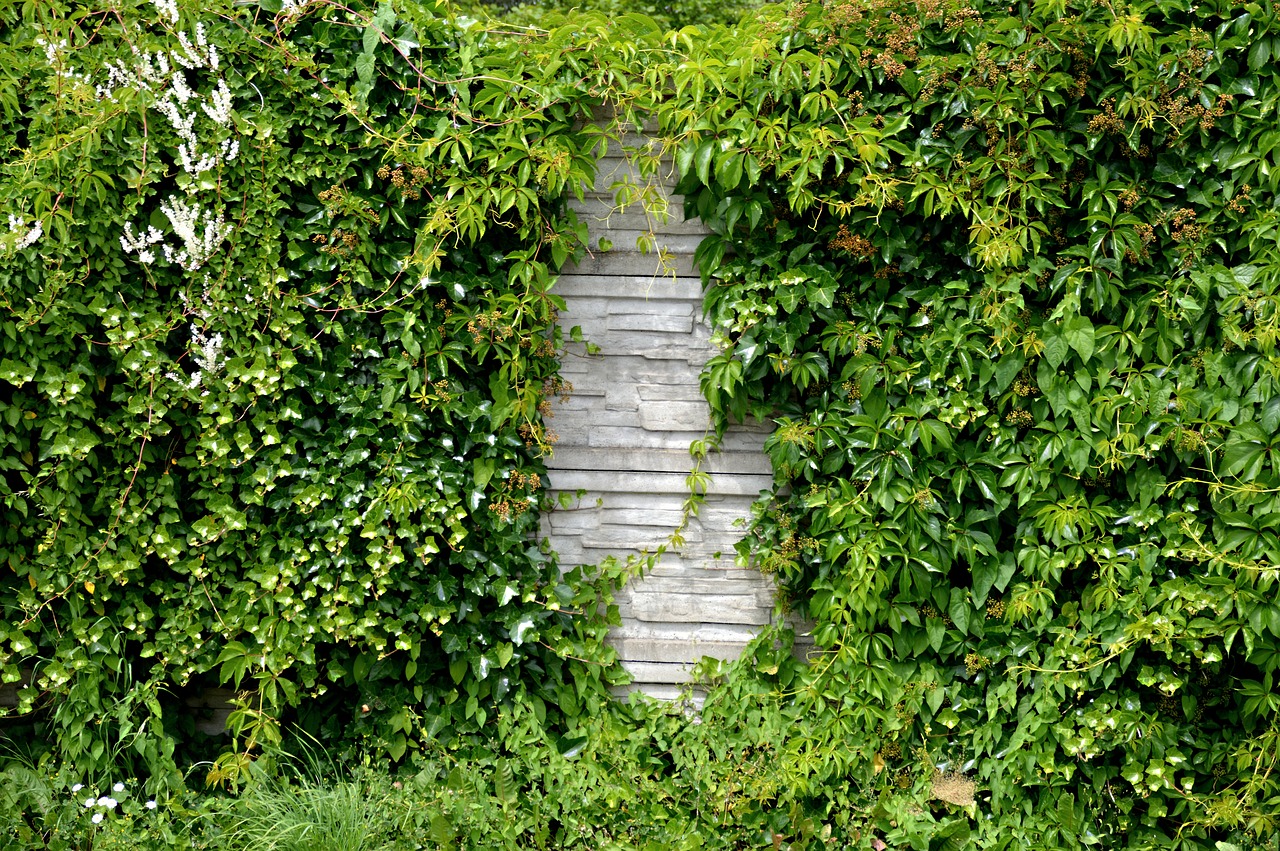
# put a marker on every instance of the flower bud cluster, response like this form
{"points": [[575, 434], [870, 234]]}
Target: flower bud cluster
{"points": [[164, 75], [54, 55], [168, 9], [26, 237], [208, 346]]}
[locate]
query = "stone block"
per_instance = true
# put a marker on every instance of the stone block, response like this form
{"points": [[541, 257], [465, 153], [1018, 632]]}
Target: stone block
{"points": [[649, 307], [648, 285], [627, 262], [670, 393], [676, 416], [619, 167], [644, 673], [617, 539], [642, 322], [623, 437], [666, 517], [603, 215], [693, 608]]}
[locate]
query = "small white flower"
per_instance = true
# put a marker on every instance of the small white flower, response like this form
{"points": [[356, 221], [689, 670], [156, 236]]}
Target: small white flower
{"points": [[89, 802], [97, 818], [27, 237], [168, 9], [151, 805], [119, 787], [77, 787]]}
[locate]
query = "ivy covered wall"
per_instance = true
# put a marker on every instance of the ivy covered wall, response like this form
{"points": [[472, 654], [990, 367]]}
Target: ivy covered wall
{"points": [[279, 330]]}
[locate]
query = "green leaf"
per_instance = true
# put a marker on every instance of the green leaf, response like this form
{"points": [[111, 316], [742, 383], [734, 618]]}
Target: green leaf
{"points": [[1260, 54], [360, 667], [1078, 332], [1067, 819], [482, 471], [458, 669], [960, 609], [1055, 347], [570, 747], [702, 161], [984, 575], [1007, 370]]}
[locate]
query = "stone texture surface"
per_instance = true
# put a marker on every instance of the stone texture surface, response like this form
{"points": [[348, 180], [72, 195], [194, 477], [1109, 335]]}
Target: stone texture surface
{"points": [[624, 440]]}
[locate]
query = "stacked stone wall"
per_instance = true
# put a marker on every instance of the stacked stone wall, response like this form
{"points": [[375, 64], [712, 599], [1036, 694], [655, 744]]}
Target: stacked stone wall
{"points": [[624, 438]]}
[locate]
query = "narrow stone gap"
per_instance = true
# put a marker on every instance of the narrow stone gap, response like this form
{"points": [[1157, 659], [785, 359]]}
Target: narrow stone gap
{"points": [[624, 436]]}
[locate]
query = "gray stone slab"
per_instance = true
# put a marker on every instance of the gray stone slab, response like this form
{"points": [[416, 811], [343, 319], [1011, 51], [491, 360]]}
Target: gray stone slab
{"points": [[670, 393], [649, 307], [644, 322], [665, 517], [629, 240], [694, 608], [641, 650], [644, 673], [670, 483], [617, 539], [614, 170], [676, 416], [638, 460], [685, 694], [603, 214], [619, 437], [650, 287], [623, 262]]}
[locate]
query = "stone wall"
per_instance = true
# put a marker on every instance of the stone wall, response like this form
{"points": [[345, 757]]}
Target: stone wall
{"points": [[624, 437]]}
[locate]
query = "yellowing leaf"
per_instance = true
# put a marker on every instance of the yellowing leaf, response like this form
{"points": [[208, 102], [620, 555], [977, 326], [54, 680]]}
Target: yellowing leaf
{"points": [[89, 586]]}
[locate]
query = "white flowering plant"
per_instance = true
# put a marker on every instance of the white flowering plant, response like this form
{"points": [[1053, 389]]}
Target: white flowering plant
{"points": [[278, 342], [47, 808]]}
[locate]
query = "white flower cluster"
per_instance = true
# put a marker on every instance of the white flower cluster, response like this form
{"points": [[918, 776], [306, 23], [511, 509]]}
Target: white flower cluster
{"points": [[292, 8], [103, 804], [54, 55], [168, 10], [208, 347], [201, 235], [177, 101], [164, 75], [26, 237]]}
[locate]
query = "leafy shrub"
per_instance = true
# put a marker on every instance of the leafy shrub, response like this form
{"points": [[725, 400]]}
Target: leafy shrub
{"points": [[277, 343], [1005, 278]]}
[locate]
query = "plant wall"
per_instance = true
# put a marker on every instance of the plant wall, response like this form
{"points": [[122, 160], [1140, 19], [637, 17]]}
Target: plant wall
{"points": [[1005, 278], [277, 344], [278, 334]]}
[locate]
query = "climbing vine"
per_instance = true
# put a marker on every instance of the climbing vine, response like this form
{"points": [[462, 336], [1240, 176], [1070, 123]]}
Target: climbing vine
{"points": [[279, 338], [1005, 280], [280, 331]]}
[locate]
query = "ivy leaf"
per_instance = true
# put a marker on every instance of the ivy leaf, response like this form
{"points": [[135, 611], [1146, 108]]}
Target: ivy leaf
{"points": [[959, 609], [1007, 370], [360, 667], [984, 576], [1243, 456], [1055, 348], [570, 747], [936, 631], [1270, 417], [1078, 333]]}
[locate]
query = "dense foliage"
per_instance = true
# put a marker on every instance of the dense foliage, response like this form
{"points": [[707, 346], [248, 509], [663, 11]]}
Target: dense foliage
{"points": [[279, 327], [278, 337], [1006, 278]]}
